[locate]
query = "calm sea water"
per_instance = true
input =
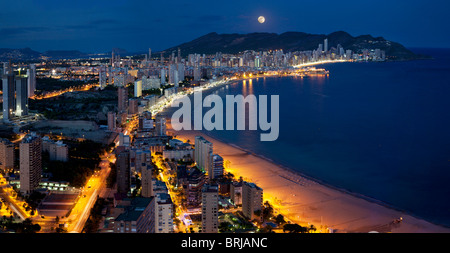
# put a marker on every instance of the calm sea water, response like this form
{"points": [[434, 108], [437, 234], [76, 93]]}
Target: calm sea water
{"points": [[377, 129]]}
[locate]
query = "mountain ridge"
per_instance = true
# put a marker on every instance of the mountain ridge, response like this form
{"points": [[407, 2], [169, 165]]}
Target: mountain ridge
{"points": [[289, 41], [233, 43]]}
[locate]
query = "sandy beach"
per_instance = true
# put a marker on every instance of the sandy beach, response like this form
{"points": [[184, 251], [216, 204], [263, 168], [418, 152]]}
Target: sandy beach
{"points": [[306, 201]]}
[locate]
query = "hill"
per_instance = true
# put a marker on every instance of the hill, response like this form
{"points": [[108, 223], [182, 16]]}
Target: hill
{"points": [[289, 41]]}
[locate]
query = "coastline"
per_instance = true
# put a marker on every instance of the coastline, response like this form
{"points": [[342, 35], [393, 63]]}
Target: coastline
{"points": [[306, 201]]}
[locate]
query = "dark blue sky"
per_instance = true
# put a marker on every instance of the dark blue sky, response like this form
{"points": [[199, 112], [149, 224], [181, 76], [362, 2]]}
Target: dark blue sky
{"points": [[136, 25]]}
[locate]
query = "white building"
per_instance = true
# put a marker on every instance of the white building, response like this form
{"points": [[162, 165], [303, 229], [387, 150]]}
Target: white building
{"points": [[203, 153], [163, 213], [138, 88]]}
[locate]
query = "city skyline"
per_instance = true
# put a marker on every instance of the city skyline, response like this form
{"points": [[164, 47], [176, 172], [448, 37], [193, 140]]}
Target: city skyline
{"points": [[137, 25]]}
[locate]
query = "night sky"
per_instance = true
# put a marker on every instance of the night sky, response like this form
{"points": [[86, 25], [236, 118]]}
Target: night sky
{"points": [[100, 25]]}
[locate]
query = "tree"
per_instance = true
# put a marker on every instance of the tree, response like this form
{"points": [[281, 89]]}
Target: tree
{"points": [[312, 228], [294, 228], [279, 219], [267, 210]]}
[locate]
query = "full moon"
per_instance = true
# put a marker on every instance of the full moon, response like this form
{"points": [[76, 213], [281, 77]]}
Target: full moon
{"points": [[261, 19]]}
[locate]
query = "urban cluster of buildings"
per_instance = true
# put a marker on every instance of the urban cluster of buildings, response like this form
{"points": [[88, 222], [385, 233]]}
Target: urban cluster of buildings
{"points": [[193, 171], [151, 73], [17, 88], [150, 164], [29, 151]]}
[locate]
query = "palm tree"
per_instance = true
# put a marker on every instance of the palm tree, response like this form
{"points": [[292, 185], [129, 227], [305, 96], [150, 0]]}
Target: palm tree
{"points": [[312, 228]]}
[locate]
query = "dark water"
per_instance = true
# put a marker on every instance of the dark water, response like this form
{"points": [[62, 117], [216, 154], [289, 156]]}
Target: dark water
{"points": [[376, 129]]}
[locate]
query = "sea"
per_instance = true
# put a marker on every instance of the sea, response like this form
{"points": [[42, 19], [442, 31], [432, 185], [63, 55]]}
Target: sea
{"points": [[376, 129]]}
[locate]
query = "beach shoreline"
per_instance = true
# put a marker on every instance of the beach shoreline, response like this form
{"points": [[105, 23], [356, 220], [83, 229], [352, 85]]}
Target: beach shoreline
{"points": [[306, 200]]}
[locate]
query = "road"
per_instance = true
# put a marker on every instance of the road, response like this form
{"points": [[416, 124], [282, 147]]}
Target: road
{"points": [[81, 211], [9, 196]]}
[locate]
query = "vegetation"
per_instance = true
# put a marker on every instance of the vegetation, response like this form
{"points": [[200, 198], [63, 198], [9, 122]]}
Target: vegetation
{"points": [[8, 224], [75, 105], [95, 217], [51, 84], [295, 228], [84, 159], [111, 179]]}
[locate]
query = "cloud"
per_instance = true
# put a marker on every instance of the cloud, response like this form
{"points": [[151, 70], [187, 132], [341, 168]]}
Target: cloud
{"points": [[5, 32]]}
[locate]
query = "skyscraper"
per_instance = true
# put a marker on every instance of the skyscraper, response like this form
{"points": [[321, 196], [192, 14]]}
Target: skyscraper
{"points": [[6, 154], [138, 88], [217, 167], [163, 213], [123, 171], [102, 77], [30, 163], [325, 45], [252, 200], [203, 154], [173, 74], [8, 96], [31, 73], [122, 94], [111, 121], [210, 208], [160, 125], [163, 76], [181, 70], [146, 181], [21, 95]]}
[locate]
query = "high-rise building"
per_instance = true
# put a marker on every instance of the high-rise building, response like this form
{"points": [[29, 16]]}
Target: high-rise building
{"points": [[102, 77], [111, 121], [123, 171], [217, 167], [58, 151], [9, 102], [195, 181], [203, 154], [210, 208], [252, 200], [149, 54], [173, 74], [7, 154], [181, 70], [122, 94], [163, 213], [31, 74], [30, 163], [325, 45], [236, 193], [146, 181], [160, 125], [163, 76], [133, 106], [138, 88], [138, 216], [21, 95], [197, 73]]}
